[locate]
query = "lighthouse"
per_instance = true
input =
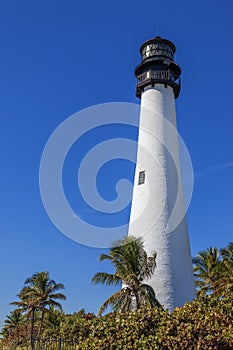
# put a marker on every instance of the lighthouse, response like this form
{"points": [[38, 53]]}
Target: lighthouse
{"points": [[158, 210]]}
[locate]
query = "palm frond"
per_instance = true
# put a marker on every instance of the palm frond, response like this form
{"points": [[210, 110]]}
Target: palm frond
{"points": [[116, 300], [149, 296], [106, 278]]}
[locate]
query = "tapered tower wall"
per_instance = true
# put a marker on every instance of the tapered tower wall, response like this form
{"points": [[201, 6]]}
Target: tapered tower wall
{"points": [[156, 191]]}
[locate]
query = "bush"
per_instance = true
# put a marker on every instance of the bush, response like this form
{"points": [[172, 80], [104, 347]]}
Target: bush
{"points": [[206, 323], [203, 324]]}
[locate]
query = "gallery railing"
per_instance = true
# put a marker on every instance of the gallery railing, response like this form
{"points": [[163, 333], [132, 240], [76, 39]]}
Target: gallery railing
{"points": [[157, 74], [162, 76]]}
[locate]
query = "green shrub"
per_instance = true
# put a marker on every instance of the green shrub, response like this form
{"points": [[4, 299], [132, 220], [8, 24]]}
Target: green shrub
{"points": [[203, 324]]}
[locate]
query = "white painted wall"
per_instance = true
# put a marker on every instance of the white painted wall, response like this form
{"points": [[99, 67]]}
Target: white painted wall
{"points": [[153, 201]]}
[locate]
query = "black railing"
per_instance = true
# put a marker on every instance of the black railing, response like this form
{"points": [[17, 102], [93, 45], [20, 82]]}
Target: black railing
{"points": [[157, 74], [49, 344], [165, 77]]}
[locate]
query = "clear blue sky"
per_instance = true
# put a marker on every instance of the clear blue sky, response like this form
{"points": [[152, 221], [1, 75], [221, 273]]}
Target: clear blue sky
{"points": [[58, 57]]}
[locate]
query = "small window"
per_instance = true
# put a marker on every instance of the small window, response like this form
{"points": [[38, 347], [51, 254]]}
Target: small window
{"points": [[141, 179]]}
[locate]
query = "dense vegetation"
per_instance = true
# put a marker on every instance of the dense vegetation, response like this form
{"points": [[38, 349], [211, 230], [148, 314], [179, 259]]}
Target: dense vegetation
{"points": [[205, 323]]}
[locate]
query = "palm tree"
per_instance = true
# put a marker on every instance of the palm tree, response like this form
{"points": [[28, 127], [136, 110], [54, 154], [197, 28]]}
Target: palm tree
{"points": [[39, 293], [227, 260], [208, 270], [15, 329], [27, 306], [132, 267], [45, 290], [54, 318], [13, 321]]}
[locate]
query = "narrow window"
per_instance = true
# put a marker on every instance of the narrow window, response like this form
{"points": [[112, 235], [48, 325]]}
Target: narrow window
{"points": [[141, 178]]}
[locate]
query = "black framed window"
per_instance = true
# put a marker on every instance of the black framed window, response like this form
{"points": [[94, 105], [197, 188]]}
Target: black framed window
{"points": [[141, 178]]}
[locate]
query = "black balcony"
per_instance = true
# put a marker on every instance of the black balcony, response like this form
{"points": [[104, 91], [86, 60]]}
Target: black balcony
{"points": [[150, 78]]}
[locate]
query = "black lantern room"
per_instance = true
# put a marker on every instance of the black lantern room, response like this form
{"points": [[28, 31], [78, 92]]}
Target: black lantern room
{"points": [[158, 66]]}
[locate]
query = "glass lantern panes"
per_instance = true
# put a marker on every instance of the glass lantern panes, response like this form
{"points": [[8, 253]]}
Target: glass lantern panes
{"points": [[157, 49]]}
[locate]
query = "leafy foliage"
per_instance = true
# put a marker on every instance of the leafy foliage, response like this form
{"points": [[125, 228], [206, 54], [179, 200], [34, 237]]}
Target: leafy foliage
{"points": [[213, 270], [207, 270], [206, 323], [15, 320], [67, 326], [227, 260], [203, 324], [38, 294], [132, 267]]}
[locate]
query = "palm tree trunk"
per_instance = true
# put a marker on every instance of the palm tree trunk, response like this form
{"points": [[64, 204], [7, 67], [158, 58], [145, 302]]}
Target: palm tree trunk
{"points": [[32, 329], [41, 324], [137, 300]]}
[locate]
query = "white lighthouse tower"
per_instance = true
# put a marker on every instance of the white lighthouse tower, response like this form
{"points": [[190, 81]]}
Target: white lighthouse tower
{"points": [[157, 211]]}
